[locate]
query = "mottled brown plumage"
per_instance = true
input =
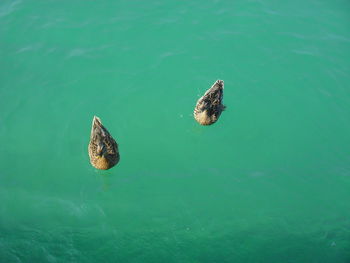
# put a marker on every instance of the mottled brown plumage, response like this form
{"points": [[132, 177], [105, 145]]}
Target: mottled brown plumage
{"points": [[209, 107], [103, 149]]}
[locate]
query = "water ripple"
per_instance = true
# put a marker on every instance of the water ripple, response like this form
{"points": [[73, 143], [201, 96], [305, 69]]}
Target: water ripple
{"points": [[85, 52], [337, 38], [29, 48], [8, 9], [306, 52]]}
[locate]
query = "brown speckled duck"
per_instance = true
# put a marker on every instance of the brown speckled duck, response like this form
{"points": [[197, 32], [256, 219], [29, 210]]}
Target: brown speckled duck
{"points": [[103, 149], [209, 107]]}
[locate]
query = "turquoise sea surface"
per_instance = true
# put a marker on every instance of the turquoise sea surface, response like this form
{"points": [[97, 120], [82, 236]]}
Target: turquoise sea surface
{"points": [[269, 182]]}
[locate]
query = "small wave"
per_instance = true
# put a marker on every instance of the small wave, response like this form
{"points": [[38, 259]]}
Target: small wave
{"points": [[307, 52], [257, 174], [295, 35], [271, 12], [78, 52], [337, 37], [53, 23], [85, 52], [29, 48], [8, 9]]}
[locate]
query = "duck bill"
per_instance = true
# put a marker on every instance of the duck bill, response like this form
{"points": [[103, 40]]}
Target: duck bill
{"points": [[219, 84], [96, 121]]}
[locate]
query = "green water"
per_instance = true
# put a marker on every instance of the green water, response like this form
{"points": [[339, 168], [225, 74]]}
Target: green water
{"points": [[269, 182]]}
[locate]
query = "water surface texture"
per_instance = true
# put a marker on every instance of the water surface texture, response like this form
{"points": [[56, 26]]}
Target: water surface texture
{"points": [[269, 182]]}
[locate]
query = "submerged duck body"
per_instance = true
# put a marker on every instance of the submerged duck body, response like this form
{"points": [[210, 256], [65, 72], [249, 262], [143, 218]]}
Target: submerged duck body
{"points": [[103, 149], [209, 107]]}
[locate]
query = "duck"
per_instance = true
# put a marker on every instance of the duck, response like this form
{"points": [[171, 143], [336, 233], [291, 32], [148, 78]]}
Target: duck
{"points": [[103, 149], [210, 106]]}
